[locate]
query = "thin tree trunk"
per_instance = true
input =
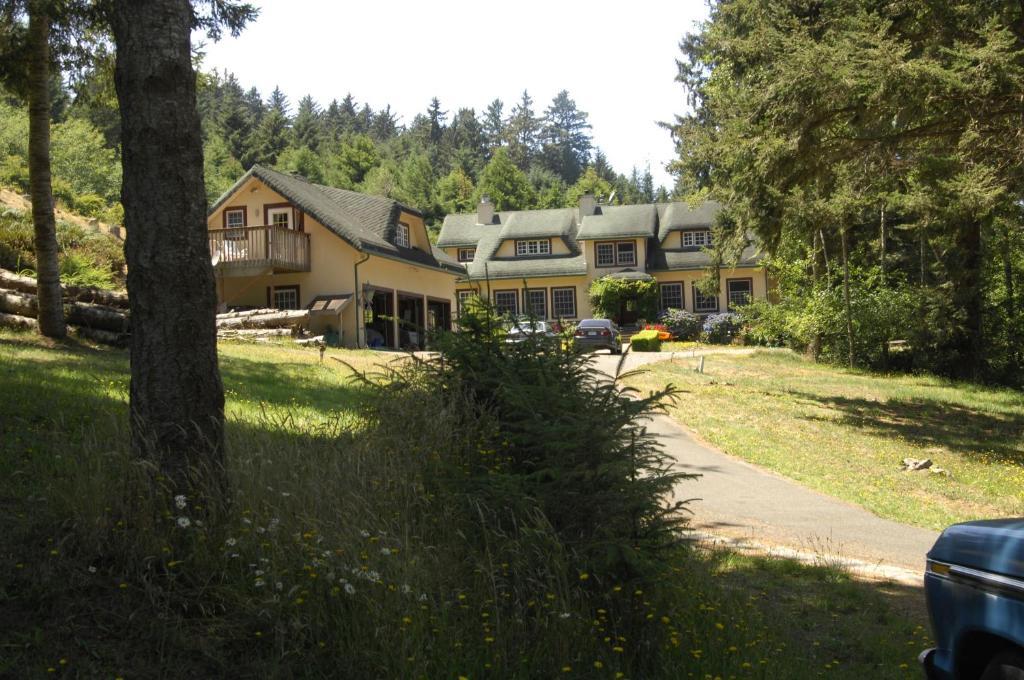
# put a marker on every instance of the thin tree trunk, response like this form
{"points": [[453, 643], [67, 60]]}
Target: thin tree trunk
{"points": [[176, 396], [965, 274], [881, 264], [814, 346], [846, 296], [51, 313], [824, 257]]}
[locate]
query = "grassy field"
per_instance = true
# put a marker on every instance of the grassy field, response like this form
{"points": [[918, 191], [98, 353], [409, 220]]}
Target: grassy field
{"points": [[85, 593], [846, 432]]}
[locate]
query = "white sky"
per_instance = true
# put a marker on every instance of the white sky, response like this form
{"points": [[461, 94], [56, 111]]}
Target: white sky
{"points": [[617, 60]]}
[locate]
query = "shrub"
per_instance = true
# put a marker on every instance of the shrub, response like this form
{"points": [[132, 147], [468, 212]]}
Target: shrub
{"points": [[645, 341], [683, 325], [720, 329], [609, 295], [89, 205]]}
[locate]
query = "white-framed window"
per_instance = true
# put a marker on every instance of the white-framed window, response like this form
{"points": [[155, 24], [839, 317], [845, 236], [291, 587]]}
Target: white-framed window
{"points": [[672, 296], [467, 254], [234, 218], [280, 217], [625, 253], [402, 235], [536, 302], [702, 302], [563, 303], [506, 302], [612, 253], [461, 296], [697, 239], [286, 297], [740, 291], [534, 246], [605, 254]]}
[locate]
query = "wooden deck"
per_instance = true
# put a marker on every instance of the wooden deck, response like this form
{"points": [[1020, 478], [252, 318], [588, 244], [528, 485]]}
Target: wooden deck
{"points": [[242, 250]]}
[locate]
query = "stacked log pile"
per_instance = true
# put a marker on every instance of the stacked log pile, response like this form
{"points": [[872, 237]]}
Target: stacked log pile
{"points": [[99, 315], [260, 323]]}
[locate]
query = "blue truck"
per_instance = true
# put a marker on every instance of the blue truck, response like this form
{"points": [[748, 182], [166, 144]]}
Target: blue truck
{"points": [[974, 585]]}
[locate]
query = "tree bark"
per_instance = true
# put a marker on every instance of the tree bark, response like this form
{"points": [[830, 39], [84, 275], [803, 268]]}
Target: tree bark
{"points": [[846, 295], [176, 395], [26, 284], [814, 345], [51, 314], [881, 265], [965, 265]]}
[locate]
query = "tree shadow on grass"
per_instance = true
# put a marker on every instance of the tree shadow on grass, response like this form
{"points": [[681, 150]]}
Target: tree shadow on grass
{"points": [[926, 422], [824, 614]]}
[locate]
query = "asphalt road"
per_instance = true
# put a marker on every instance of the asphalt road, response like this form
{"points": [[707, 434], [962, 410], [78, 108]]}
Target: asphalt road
{"points": [[740, 500]]}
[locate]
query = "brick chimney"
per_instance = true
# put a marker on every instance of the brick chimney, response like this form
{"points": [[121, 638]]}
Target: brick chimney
{"points": [[485, 211], [588, 204]]}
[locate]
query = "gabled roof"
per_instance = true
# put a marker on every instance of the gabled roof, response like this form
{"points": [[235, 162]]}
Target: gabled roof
{"points": [[679, 216], [619, 221], [557, 223], [461, 231], [367, 223], [678, 259]]}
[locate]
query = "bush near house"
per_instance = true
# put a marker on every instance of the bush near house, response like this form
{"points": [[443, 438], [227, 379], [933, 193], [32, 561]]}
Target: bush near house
{"points": [[683, 325], [720, 329], [646, 341], [609, 295]]}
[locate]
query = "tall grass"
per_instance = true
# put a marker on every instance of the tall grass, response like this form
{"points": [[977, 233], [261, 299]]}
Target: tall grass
{"points": [[351, 548]]}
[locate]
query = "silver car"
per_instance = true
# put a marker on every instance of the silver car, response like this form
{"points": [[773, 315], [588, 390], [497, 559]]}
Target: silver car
{"points": [[598, 334]]}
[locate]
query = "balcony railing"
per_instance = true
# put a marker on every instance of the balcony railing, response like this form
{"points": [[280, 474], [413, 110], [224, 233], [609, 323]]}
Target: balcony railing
{"points": [[259, 247]]}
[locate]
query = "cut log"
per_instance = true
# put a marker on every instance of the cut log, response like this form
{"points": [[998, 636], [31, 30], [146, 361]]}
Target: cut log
{"points": [[27, 284], [77, 313], [15, 321], [245, 313], [97, 316], [248, 333], [282, 317]]}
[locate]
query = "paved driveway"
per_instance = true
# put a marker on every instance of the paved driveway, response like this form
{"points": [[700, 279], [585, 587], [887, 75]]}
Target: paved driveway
{"points": [[741, 500]]}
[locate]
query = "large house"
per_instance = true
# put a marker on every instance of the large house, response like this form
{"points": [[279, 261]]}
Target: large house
{"points": [[363, 265], [542, 262]]}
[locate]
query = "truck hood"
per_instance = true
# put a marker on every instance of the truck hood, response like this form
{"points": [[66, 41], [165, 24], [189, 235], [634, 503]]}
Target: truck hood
{"points": [[994, 545]]}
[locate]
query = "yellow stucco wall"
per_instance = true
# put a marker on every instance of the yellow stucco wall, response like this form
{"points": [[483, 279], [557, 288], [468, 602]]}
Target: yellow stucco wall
{"points": [[595, 272], [508, 248], [757, 274], [580, 283], [332, 266]]}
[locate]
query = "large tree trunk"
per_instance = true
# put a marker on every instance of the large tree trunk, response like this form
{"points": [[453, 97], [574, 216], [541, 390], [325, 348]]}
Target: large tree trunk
{"points": [[881, 265], [176, 396], [965, 274], [51, 313]]}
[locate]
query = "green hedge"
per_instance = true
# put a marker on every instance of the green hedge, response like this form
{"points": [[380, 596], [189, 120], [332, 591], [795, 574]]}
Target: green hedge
{"points": [[645, 341]]}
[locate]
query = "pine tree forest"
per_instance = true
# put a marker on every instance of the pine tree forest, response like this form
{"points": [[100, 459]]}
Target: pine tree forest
{"points": [[441, 161]]}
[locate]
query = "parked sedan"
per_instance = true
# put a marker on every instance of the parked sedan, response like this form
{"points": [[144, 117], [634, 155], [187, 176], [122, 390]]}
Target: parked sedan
{"points": [[539, 331], [974, 585], [598, 334]]}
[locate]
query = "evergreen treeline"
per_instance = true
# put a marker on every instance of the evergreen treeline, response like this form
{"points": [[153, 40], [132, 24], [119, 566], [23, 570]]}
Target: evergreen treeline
{"points": [[873, 146], [441, 162]]}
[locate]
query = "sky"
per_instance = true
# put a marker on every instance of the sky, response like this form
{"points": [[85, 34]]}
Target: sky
{"points": [[617, 60]]}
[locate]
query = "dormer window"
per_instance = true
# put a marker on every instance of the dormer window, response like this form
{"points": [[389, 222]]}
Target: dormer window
{"points": [[616, 254], [402, 235], [467, 254], [697, 239], [533, 247]]}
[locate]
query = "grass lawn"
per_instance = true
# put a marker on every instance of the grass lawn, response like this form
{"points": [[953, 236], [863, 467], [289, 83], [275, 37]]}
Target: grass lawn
{"points": [[260, 596], [846, 432]]}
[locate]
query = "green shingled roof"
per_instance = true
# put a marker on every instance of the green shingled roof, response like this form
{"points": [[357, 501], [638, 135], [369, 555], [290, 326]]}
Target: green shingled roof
{"points": [[538, 224], [619, 221], [679, 216], [660, 259], [460, 231], [366, 222]]}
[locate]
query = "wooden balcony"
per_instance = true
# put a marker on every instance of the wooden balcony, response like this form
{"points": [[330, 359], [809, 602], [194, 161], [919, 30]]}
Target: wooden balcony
{"points": [[251, 251]]}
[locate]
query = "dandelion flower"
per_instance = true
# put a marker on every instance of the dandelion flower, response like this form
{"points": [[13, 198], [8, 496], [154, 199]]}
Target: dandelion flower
{"points": [[180, 502], [350, 589], [184, 522], [231, 542]]}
